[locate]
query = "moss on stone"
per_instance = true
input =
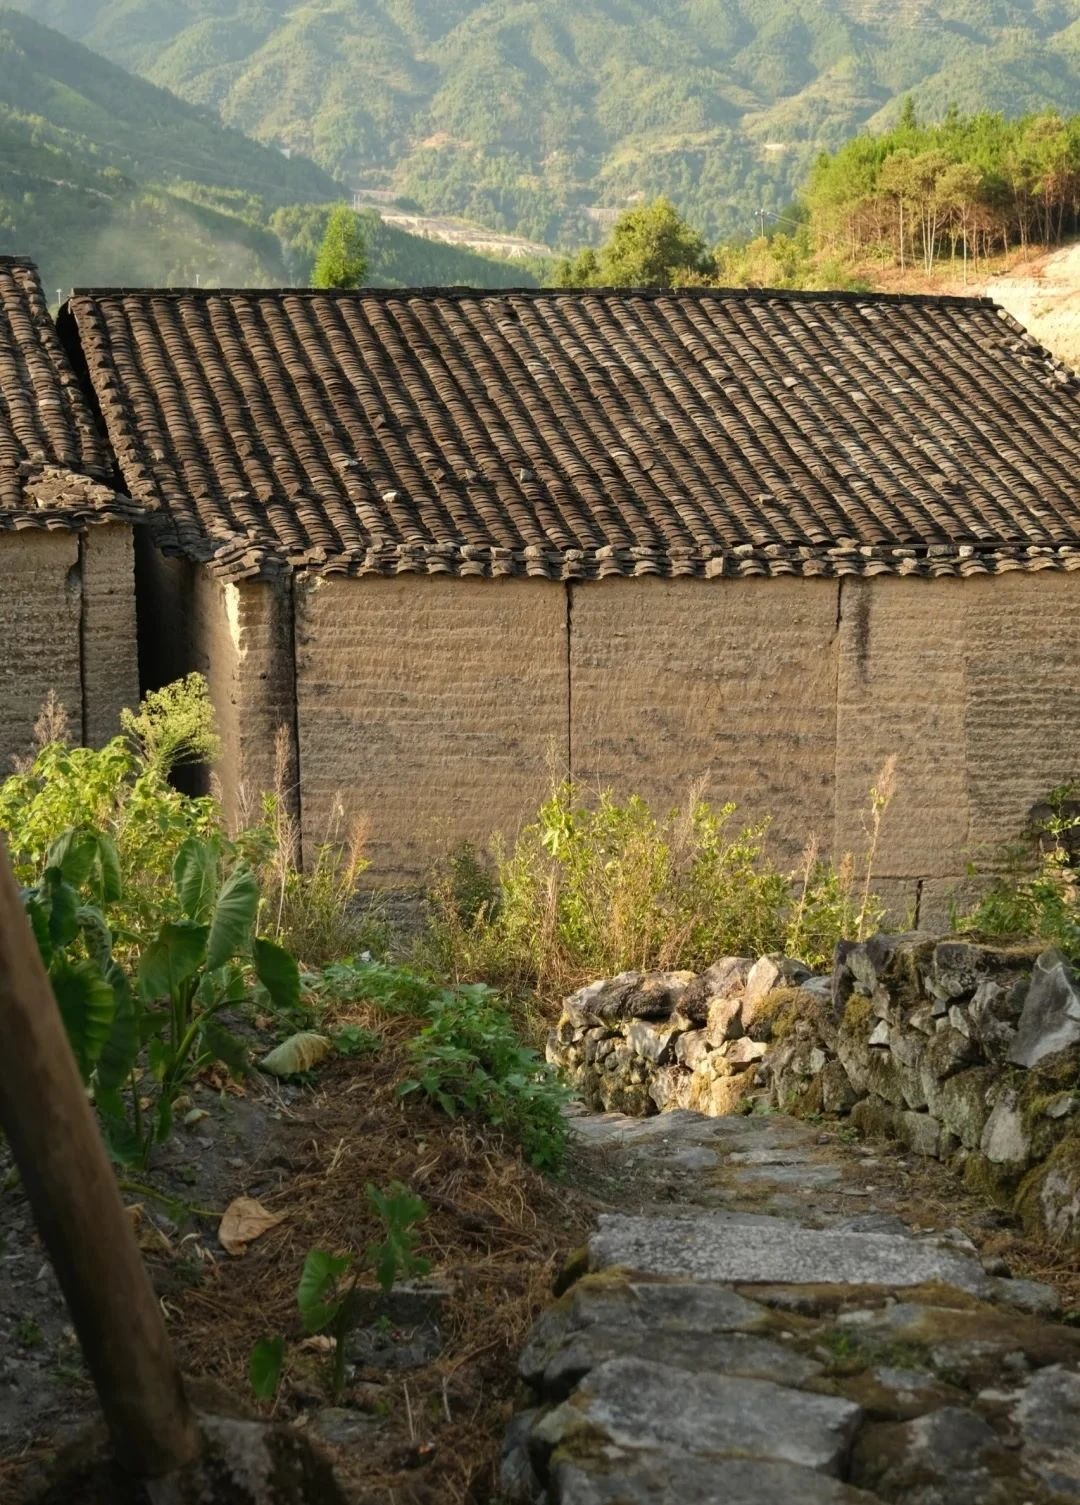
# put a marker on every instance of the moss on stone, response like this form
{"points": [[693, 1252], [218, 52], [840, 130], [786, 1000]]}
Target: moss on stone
{"points": [[997, 1183], [857, 1013], [1062, 1163], [577, 1265], [783, 1009]]}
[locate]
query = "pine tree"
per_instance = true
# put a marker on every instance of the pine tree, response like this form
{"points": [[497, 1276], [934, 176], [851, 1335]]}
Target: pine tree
{"points": [[341, 261]]}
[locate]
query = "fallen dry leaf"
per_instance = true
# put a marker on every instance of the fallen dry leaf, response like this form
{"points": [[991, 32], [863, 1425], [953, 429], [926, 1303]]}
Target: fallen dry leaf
{"points": [[148, 1235], [243, 1222], [319, 1344]]}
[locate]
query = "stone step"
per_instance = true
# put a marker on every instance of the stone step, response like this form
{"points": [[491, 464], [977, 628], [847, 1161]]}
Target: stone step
{"points": [[782, 1350], [716, 1246]]}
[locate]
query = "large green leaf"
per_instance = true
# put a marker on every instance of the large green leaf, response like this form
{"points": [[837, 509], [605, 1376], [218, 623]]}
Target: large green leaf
{"points": [[264, 1367], [279, 974], [63, 902], [195, 874], [121, 1047], [87, 1005], [176, 955], [106, 876], [74, 853], [316, 1293], [85, 857], [234, 918]]}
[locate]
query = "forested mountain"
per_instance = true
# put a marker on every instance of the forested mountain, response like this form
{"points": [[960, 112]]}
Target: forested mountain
{"points": [[538, 115], [106, 178]]}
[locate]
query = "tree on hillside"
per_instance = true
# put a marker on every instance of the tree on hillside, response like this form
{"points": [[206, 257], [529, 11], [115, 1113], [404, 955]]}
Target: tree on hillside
{"points": [[649, 247], [341, 261], [974, 184]]}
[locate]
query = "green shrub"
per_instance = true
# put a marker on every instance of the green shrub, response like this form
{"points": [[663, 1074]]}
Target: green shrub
{"points": [[592, 889], [1038, 894], [121, 792], [468, 1055]]}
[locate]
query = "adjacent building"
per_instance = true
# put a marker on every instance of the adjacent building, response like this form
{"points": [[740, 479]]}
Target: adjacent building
{"points": [[67, 586], [459, 543]]}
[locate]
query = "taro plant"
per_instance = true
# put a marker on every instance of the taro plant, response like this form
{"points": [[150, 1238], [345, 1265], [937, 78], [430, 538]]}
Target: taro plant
{"points": [[155, 1017], [328, 1293], [202, 964]]}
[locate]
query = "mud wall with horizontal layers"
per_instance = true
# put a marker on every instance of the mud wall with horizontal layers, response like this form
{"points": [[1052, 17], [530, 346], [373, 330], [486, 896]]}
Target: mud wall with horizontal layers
{"points": [[436, 709], [433, 710], [110, 655], [733, 687], [67, 625]]}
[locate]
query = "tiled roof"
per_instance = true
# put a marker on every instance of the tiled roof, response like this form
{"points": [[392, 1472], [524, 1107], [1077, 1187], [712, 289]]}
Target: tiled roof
{"points": [[581, 434], [54, 465]]}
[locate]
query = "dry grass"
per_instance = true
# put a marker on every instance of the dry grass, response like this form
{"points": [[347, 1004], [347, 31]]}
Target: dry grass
{"points": [[496, 1233]]}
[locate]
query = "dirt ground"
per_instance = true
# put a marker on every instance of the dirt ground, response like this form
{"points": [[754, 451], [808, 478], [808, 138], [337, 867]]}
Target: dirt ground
{"points": [[431, 1381]]}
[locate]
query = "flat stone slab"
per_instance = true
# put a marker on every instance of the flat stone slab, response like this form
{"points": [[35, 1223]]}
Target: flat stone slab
{"points": [[758, 1337], [670, 1479], [579, 1353], [1048, 1415], [635, 1404], [716, 1247]]}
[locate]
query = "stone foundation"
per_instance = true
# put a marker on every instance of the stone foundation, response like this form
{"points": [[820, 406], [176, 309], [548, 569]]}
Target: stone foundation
{"points": [[963, 1051]]}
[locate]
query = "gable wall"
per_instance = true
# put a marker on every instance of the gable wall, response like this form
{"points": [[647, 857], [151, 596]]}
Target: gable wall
{"points": [[39, 634]]}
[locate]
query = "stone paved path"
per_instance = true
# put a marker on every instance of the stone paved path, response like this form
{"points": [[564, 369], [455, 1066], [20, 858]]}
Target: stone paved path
{"points": [[762, 1330]]}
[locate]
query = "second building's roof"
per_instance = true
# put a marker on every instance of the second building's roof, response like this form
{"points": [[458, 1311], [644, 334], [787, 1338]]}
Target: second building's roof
{"points": [[54, 466], [582, 434]]}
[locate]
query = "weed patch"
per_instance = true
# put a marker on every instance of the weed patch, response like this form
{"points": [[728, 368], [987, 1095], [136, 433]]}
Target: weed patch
{"points": [[592, 889]]}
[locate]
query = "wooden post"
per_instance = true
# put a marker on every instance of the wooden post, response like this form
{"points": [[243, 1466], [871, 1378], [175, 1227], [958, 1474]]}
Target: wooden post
{"points": [[76, 1204]]}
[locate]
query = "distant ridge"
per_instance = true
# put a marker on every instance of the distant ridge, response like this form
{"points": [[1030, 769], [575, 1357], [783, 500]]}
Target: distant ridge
{"points": [[538, 117]]}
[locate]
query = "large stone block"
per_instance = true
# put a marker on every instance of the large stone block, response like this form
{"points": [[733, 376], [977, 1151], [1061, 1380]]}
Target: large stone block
{"points": [[719, 1247], [635, 1405], [1050, 1020]]}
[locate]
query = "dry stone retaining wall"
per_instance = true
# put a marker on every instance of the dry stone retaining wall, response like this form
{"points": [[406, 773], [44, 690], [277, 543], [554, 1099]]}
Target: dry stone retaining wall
{"points": [[964, 1051]]}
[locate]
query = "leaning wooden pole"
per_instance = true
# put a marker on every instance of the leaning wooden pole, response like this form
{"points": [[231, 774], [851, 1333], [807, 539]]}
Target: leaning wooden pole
{"points": [[76, 1204]]}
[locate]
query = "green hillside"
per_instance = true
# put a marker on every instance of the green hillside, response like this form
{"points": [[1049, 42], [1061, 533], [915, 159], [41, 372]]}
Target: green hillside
{"points": [[536, 116], [106, 178]]}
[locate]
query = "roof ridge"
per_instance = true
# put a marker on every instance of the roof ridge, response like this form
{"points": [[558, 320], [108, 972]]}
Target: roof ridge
{"points": [[537, 294]]}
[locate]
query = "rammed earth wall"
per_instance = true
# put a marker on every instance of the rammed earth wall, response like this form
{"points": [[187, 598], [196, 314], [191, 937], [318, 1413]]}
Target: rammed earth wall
{"points": [[965, 1052], [433, 709], [67, 625], [440, 709]]}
